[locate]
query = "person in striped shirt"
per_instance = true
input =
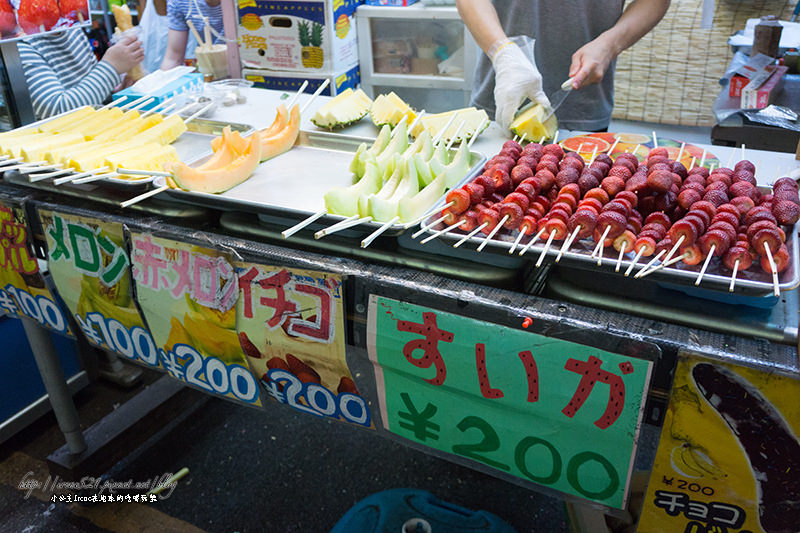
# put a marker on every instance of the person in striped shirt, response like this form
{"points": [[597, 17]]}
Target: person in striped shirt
{"points": [[180, 44], [63, 73]]}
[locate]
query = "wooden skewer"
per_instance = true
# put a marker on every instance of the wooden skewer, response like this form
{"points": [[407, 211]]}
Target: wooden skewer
{"points": [[567, 243], [441, 133], [492, 233], [522, 139], [648, 265], [621, 253], [440, 232], [112, 103], [469, 235], [636, 149], [580, 149], [674, 248], [4, 157], [426, 227], [194, 32], [142, 172], [163, 107], [81, 175], [454, 137], [9, 162], [730, 158], [477, 132], [705, 265], [344, 224], [21, 166], [402, 120], [416, 120], [742, 152], [516, 242], [733, 276], [29, 170], [302, 224], [594, 154], [691, 165], [663, 265], [48, 175], [546, 247], [611, 150], [775, 286], [555, 137], [426, 215], [197, 114], [655, 139], [375, 234], [514, 138], [635, 260], [541, 141], [601, 243], [139, 106], [206, 33], [531, 242], [315, 94], [703, 159], [144, 196], [680, 152], [294, 98], [132, 103], [97, 177]]}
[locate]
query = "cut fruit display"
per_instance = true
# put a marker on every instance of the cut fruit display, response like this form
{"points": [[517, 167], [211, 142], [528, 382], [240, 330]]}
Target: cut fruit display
{"points": [[217, 180], [35, 16], [281, 141], [530, 123], [468, 122], [395, 179], [343, 110], [390, 109]]}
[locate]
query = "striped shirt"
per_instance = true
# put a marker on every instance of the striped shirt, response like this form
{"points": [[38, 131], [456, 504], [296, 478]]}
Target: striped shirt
{"points": [[179, 11], [63, 73]]}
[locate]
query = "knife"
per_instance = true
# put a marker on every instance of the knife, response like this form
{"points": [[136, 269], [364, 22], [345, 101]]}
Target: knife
{"points": [[558, 98]]}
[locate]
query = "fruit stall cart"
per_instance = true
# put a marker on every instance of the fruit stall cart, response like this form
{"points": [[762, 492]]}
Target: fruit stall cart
{"points": [[538, 371]]}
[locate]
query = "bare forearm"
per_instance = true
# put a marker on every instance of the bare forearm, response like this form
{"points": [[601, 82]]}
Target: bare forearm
{"points": [[176, 49], [639, 18], [481, 19]]}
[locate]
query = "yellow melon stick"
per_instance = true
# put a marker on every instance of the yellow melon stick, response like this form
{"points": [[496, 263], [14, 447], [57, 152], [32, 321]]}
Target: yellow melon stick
{"points": [[166, 132], [62, 154], [130, 130], [52, 126], [94, 159], [6, 145], [128, 118], [35, 151], [120, 159], [15, 150], [95, 120], [122, 16]]}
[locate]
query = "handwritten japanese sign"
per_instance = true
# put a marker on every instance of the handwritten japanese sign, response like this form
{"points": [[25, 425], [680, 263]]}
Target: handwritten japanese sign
{"points": [[22, 289], [556, 413], [729, 455], [291, 325], [90, 267], [188, 296]]}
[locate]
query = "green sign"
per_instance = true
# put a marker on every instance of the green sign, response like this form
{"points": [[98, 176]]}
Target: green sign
{"points": [[549, 411]]}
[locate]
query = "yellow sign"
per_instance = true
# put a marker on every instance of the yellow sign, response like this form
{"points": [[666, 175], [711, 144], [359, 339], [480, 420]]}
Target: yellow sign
{"points": [[729, 456]]}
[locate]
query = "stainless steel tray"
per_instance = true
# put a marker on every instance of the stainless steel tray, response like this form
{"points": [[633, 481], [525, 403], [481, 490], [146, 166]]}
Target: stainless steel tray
{"points": [[192, 145], [751, 282], [288, 188]]}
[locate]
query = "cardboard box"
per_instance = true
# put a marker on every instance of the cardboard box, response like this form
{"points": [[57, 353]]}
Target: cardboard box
{"points": [[299, 35], [757, 68], [755, 96], [291, 81], [391, 2]]}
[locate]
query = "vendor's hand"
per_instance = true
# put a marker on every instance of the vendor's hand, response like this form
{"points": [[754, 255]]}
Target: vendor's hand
{"points": [[590, 62], [516, 79], [125, 54]]}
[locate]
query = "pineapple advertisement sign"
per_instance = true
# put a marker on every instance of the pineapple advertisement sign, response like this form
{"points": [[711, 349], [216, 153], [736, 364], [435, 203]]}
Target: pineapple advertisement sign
{"points": [[22, 18], [301, 36]]}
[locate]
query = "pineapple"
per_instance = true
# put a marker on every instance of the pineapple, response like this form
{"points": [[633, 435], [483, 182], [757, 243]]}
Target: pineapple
{"points": [[345, 109], [65, 121], [312, 56], [35, 151], [390, 109], [469, 120]]}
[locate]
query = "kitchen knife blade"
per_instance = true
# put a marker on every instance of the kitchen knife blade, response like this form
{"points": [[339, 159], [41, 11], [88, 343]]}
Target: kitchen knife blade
{"points": [[558, 98]]}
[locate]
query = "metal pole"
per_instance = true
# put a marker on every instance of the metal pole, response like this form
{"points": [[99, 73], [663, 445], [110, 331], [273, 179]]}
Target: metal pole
{"points": [[19, 96], [56, 385]]}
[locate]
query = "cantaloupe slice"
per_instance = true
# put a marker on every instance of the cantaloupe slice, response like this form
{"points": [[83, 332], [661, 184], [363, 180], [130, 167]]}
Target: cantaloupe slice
{"points": [[229, 150], [220, 179], [530, 122], [283, 140]]}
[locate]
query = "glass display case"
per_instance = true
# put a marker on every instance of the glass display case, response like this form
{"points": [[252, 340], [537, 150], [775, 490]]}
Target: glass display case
{"points": [[425, 54]]}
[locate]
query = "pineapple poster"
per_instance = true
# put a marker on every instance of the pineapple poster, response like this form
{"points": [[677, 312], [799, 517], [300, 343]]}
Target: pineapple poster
{"points": [[21, 18], [187, 294], [90, 266], [300, 36], [23, 292], [291, 326]]}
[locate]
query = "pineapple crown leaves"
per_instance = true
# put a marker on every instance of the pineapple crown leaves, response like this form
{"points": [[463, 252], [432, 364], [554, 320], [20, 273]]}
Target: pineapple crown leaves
{"points": [[304, 35], [316, 34]]}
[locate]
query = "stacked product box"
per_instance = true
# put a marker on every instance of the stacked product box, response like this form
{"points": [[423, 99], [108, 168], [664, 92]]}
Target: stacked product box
{"points": [[281, 42], [391, 2]]}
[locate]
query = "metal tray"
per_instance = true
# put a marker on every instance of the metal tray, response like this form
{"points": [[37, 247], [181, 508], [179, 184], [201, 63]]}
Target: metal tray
{"points": [[289, 188], [192, 146], [751, 282]]}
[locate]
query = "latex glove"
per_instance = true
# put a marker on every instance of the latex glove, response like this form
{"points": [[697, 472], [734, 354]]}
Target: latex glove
{"points": [[516, 78]]}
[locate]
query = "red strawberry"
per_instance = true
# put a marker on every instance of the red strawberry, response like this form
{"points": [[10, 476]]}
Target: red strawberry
{"points": [[8, 23], [74, 10], [33, 15]]}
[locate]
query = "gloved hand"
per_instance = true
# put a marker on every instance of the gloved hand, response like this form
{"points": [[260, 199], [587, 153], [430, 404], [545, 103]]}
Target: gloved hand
{"points": [[515, 79]]}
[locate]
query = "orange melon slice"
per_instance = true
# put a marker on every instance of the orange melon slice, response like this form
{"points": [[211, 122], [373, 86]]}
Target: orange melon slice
{"points": [[229, 150], [220, 179], [283, 140]]}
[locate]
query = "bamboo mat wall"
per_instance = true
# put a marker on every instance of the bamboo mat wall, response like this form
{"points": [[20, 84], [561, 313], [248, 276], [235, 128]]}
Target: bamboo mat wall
{"points": [[672, 75]]}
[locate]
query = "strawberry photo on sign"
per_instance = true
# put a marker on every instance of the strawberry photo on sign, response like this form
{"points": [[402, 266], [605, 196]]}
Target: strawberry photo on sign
{"points": [[22, 18]]}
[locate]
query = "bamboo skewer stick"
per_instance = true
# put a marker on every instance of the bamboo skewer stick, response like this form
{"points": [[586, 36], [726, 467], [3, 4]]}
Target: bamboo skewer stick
{"points": [[302, 88], [546, 247], [315, 94], [454, 137], [477, 132], [674, 248], [469, 235], [611, 150], [375, 234], [343, 225], [198, 113], [439, 136], [416, 121], [705, 265], [663, 265], [492, 233], [648, 265], [567, 243], [655, 139], [441, 232], [680, 152], [733, 276], [148, 194], [426, 215], [302, 224], [516, 242], [48, 175], [621, 253], [776, 288], [81, 175], [142, 172], [194, 32], [635, 260], [96, 177], [531, 242]]}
